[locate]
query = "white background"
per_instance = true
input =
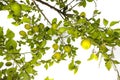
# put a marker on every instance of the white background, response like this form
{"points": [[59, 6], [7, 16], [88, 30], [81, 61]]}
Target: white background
{"points": [[87, 70]]}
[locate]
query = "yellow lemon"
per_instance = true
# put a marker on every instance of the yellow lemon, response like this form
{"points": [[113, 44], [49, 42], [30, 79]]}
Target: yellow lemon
{"points": [[27, 26], [67, 48], [36, 29], [22, 33], [55, 46], [86, 44], [57, 55]]}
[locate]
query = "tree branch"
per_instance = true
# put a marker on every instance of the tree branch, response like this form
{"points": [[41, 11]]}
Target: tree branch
{"points": [[49, 5], [71, 2], [41, 12], [52, 7], [73, 6], [63, 13]]}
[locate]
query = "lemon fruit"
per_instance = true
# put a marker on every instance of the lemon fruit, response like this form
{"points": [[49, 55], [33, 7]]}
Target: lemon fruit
{"points": [[30, 33], [16, 8], [36, 29], [86, 44], [22, 33], [57, 56], [83, 14], [67, 48], [55, 46], [27, 26]]}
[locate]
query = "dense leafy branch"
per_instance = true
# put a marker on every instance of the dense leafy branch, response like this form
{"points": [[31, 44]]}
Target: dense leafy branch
{"points": [[62, 33]]}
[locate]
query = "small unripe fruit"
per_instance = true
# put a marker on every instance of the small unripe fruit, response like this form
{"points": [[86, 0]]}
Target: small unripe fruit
{"points": [[30, 33], [55, 46], [27, 26], [36, 29], [57, 56], [67, 48], [8, 64], [22, 33], [83, 14]]}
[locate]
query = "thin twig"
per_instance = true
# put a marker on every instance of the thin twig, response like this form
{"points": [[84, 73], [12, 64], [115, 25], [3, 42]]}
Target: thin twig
{"points": [[20, 66], [41, 12], [49, 5], [95, 5], [52, 7], [73, 6], [115, 68], [100, 60], [70, 2]]}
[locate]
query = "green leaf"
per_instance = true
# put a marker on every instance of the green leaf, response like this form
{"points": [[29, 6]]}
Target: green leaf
{"points": [[117, 30], [47, 78], [1, 64], [62, 29], [46, 66], [75, 70], [106, 56], [8, 64], [10, 34], [1, 31], [68, 40], [78, 62], [82, 3], [25, 19], [16, 8], [71, 66], [11, 44], [10, 71], [75, 11], [96, 12], [24, 75], [10, 15], [108, 64], [93, 56], [9, 77], [51, 63], [59, 23], [1, 74], [116, 62], [103, 48], [54, 21], [89, 0], [114, 23], [28, 1], [25, 7], [30, 69], [105, 22], [43, 43], [15, 23]]}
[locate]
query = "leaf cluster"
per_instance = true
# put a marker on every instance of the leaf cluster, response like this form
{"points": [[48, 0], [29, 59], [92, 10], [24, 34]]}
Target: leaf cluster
{"points": [[62, 33]]}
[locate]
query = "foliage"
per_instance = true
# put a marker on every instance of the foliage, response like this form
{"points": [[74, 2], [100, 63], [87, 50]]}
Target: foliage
{"points": [[63, 32]]}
